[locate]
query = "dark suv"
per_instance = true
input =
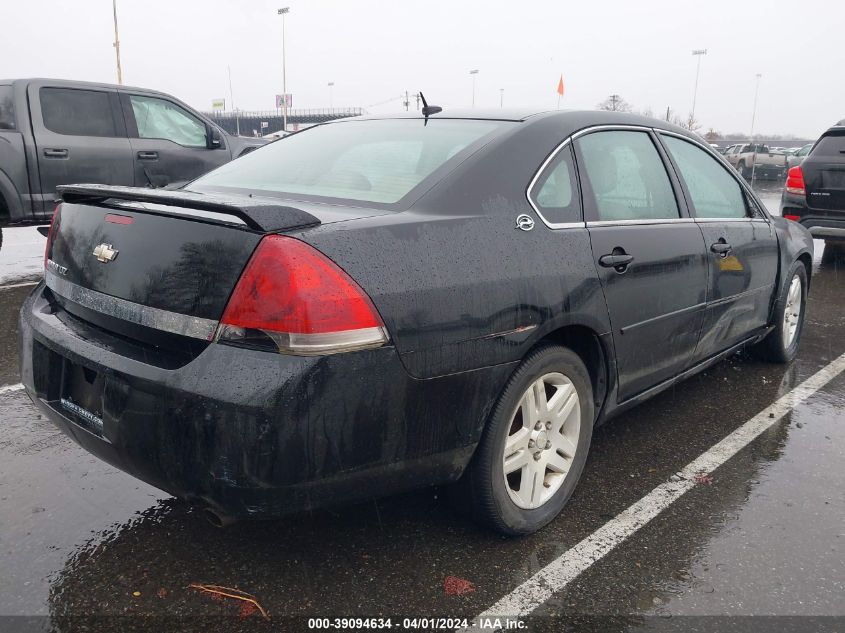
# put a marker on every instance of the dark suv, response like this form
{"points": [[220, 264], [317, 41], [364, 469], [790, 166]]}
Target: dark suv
{"points": [[61, 132], [815, 190]]}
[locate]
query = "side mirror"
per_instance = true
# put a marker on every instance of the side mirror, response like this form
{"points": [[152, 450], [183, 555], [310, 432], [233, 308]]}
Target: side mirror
{"points": [[213, 138]]}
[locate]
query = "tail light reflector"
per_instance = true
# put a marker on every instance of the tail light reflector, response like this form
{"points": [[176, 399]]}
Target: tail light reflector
{"points": [[795, 181], [293, 298], [51, 234]]}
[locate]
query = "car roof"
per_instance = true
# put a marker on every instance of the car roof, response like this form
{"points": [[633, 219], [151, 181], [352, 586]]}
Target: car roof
{"points": [[71, 83], [569, 120]]}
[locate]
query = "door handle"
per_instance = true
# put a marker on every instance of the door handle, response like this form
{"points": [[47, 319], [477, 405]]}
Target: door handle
{"points": [[721, 248], [148, 155], [55, 153], [619, 261]]}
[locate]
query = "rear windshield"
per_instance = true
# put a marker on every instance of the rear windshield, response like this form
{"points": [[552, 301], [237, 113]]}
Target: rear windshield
{"points": [[369, 161], [7, 109], [760, 149], [831, 145]]}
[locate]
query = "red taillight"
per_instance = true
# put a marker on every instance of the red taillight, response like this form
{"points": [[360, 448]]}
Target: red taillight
{"points": [[299, 299], [794, 218], [50, 234], [795, 181]]}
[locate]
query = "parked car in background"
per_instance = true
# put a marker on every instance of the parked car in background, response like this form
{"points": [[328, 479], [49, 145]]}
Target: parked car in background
{"points": [[60, 132], [378, 304], [798, 156], [814, 194], [765, 162]]}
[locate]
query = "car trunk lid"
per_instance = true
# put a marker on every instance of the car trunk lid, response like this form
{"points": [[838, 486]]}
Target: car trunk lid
{"points": [[152, 264]]}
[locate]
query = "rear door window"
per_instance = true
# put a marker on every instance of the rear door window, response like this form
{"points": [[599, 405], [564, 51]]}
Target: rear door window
{"points": [[627, 177], [555, 193], [77, 112], [715, 193], [7, 109], [158, 118]]}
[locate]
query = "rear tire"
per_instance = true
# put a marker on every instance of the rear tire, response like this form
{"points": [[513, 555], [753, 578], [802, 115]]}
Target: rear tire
{"points": [[781, 344], [535, 445]]}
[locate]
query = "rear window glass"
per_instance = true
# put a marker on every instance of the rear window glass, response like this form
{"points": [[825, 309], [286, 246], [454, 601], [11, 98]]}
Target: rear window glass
{"points": [[369, 161], [77, 112], [760, 149], [831, 145], [7, 109]]}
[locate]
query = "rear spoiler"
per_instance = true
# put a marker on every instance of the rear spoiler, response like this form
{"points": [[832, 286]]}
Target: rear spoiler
{"points": [[260, 214]]}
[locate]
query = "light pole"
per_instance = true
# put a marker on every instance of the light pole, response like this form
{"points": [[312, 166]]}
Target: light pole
{"points": [[697, 53], [331, 95], [501, 97], [117, 44], [753, 118], [283, 12], [232, 103], [473, 73]]}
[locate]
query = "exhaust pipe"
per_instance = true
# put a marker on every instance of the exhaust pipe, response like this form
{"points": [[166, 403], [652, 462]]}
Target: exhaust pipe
{"points": [[218, 519]]}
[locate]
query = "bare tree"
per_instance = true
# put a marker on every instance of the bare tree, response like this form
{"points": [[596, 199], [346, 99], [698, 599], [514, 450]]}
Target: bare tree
{"points": [[691, 123], [614, 103], [713, 135]]}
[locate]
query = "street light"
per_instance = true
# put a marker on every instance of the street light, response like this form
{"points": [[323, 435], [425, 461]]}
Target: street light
{"points": [[232, 103], [117, 44], [473, 73], [753, 117], [698, 53], [331, 95], [283, 12]]}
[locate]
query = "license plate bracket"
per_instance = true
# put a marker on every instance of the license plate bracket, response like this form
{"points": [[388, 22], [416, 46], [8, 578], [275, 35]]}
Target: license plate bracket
{"points": [[82, 396]]}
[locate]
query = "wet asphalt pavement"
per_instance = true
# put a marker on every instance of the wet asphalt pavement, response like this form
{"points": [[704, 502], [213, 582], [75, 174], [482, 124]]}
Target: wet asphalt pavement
{"points": [[764, 535]]}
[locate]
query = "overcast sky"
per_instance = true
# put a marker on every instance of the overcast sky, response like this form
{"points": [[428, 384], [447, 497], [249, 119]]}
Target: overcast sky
{"points": [[374, 50]]}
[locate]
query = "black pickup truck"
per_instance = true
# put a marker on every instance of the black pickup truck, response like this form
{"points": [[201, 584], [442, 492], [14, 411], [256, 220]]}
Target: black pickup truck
{"points": [[63, 132]]}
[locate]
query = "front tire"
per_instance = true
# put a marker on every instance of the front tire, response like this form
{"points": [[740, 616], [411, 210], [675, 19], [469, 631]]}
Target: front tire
{"points": [[743, 171], [781, 344], [534, 448]]}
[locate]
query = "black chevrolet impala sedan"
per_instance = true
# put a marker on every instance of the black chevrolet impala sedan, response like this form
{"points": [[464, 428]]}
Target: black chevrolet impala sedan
{"points": [[378, 304]]}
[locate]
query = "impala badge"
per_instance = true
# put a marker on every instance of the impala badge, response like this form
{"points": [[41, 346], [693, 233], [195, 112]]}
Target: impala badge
{"points": [[524, 222], [105, 253]]}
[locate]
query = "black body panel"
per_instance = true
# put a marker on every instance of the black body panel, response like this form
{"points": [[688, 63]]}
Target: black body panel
{"points": [[169, 263]]}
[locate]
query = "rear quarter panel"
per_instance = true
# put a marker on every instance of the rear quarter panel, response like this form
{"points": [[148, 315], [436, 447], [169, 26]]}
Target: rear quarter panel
{"points": [[795, 241], [458, 285]]}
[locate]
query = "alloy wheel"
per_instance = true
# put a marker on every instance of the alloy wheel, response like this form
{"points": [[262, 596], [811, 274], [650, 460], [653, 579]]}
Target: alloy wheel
{"points": [[542, 440], [792, 312]]}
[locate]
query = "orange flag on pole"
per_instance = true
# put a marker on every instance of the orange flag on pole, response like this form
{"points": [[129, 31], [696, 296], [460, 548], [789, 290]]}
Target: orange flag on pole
{"points": [[560, 86]]}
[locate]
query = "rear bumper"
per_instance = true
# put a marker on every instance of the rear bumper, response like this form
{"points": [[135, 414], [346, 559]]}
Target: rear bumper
{"points": [[823, 225], [254, 433]]}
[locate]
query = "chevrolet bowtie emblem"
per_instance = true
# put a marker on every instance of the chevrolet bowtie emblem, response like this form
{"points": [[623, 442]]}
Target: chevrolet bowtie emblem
{"points": [[105, 253]]}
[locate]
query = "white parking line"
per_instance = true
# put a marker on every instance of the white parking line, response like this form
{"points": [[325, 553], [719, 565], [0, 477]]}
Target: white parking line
{"points": [[560, 572], [21, 285], [10, 388]]}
